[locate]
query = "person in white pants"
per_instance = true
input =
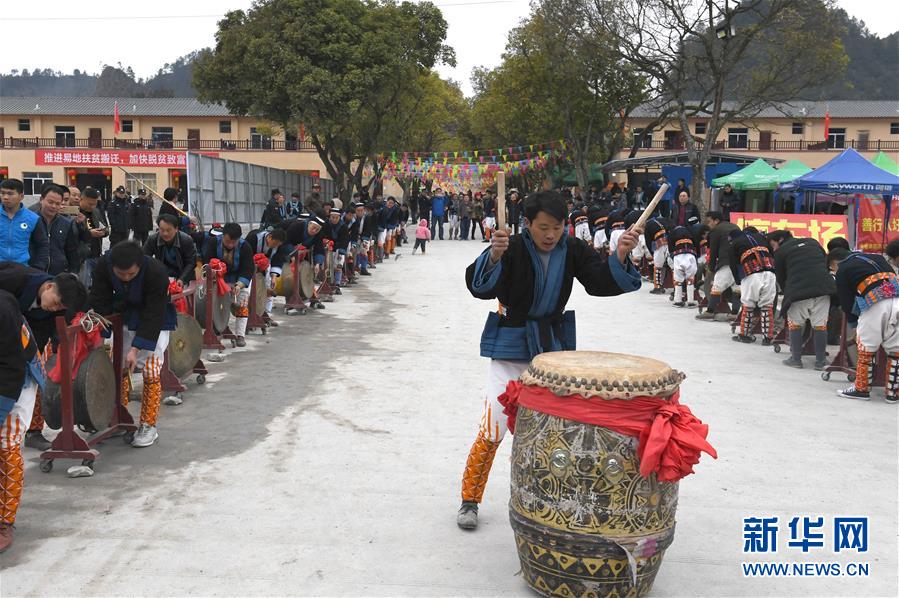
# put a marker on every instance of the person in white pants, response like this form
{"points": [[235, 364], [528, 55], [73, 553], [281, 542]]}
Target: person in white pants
{"points": [[751, 261], [683, 265], [656, 238]]}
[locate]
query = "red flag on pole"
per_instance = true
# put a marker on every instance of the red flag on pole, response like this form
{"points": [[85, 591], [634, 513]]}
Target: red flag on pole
{"points": [[826, 125], [117, 124]]}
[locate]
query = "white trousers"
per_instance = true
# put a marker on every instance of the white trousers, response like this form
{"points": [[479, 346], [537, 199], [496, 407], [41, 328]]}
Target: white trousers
{"points": [[758, 290], [724, 279], [878, 326], [499, 373], [19, 417], [660, 256], [684, 267], [149, 361]]}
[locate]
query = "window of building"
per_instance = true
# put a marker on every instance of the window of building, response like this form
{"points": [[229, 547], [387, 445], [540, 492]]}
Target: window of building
{"points": [[894, 128], [700, 128], [259, 141], [738, 137], [33, 181], [127, 126], [224, 126], [836, 138], [162, 137], [140, 181], [647, 141], [24, 124], [65, 136], [798, 128]]}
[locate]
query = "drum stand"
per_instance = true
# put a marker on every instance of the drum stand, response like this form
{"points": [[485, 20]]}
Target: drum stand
{"points": [[325, 290], [68, 444], [845, 364], [210, 338], [295, 300]]}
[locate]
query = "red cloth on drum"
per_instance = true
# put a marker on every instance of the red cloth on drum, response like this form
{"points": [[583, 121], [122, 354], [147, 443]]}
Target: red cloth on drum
{"points": [[219, 269], [177, 287], [670, 436], [261, 262], [85, 342]]}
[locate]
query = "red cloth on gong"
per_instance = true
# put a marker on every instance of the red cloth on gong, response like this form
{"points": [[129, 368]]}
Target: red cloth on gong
{"points": [[219, 269], [176, 287], [670, 436], [261, 262], [85, 342]]}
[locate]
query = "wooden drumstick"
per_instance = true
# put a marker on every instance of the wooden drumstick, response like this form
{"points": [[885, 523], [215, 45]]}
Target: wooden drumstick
{"points": [[641, 222], [500, 200]]}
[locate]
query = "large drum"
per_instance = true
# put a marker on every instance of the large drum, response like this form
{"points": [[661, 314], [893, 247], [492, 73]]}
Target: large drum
{"points": [[93, 393], [185, 346], [221, 309], [586, 522]]}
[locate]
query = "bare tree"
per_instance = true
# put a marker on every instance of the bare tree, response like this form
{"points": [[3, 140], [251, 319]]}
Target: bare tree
{"points": [[723, 61]]}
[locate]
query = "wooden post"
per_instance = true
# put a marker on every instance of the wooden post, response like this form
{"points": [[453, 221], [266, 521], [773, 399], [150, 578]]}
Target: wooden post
{"points": [[501, 200]]}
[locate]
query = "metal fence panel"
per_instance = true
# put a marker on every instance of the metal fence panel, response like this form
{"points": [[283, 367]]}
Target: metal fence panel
{"points": [[221, 190]]}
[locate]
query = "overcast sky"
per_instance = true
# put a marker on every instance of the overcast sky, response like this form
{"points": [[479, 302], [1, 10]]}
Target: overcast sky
{"points": [[64, 35]]}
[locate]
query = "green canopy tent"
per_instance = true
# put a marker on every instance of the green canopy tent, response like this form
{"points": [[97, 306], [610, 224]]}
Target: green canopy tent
{"points": [[883, 161], [594, 176], [756, 171], [786, 173]]}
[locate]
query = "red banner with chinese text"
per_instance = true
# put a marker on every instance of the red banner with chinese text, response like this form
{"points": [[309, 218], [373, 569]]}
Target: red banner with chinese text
{"points": [[873, 212], [77, 157], [821, 227]]}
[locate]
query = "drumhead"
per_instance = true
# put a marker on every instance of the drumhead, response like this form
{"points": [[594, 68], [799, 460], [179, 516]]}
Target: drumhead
{"points": [[606, 375]]}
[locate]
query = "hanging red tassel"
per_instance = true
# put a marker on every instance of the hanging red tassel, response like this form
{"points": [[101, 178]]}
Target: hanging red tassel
{"points": [[261, 262], [219, 268]]}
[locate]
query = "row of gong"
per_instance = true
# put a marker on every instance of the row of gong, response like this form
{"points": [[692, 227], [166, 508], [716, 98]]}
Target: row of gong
{"points": [[94, 386]]}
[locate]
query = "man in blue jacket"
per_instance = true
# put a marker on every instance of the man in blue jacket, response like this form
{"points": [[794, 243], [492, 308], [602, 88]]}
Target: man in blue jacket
{"points": [[438, 211], [20, 240]]}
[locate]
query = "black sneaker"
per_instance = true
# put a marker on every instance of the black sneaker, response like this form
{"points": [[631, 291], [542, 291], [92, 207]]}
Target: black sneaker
{"points": [[853, 393], [35, 439], [468, 515], [337, 291], [657, 292], [317, 305], [767, 342], [365, 273], [892, 399], [679, 304], [820, 365], [743, 338], [793, 363]]}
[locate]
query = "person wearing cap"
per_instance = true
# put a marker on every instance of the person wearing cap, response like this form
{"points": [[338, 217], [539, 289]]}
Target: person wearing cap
{"points": [[274, 212], [118, 214], [141, 217], [26, 296], [237, 255]]}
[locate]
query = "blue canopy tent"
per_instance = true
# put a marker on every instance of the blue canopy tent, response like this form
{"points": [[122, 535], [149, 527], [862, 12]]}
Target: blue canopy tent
{"points": [[848, 173]]}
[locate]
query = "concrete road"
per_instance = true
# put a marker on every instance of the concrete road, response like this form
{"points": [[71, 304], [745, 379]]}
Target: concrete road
{"points": [[325, 459]]}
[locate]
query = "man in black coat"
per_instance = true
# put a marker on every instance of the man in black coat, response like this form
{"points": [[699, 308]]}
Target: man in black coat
{"points": [[274, 210], [718, 267], [175, 249], [684, 213], [802, 274], [237, 255], [61, 231], [533, 319], [91, 231], [729, 201], [141, 217], [135, 285]]}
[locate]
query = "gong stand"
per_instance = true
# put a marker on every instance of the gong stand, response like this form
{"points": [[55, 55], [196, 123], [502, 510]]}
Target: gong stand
{"points": [[295, 300], [210, 339], [170, 382], [325, 290], [254, 320], [68, 444]]}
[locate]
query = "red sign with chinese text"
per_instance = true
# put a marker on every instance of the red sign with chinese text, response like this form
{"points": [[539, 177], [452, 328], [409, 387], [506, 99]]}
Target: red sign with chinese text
{"points": [[145, 158], [821, 227], [872, 213]]}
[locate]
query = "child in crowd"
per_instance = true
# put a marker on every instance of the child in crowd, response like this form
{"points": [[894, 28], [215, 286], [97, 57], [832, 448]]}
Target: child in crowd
{"points": [[422, 236]]}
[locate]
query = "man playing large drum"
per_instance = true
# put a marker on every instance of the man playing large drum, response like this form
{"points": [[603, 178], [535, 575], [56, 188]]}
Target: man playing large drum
{"points": [[531, 275]]}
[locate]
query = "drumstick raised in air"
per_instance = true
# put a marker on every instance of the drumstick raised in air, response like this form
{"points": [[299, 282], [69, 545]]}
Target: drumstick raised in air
{"points": [[500, 200], [641, 222]]}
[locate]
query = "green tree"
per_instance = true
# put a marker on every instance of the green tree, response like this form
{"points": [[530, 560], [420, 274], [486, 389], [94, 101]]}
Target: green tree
{"points": [[338, 66]]}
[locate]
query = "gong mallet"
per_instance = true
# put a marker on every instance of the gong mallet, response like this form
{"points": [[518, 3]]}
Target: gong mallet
{"points": [[501, 200], [641, 222]]}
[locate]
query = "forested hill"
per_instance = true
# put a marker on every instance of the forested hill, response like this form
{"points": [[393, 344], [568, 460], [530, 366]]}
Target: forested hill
{"points": [[871, 75]]}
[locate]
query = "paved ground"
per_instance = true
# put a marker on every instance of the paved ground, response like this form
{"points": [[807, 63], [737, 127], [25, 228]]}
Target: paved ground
{"points": [[325, 460]]}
